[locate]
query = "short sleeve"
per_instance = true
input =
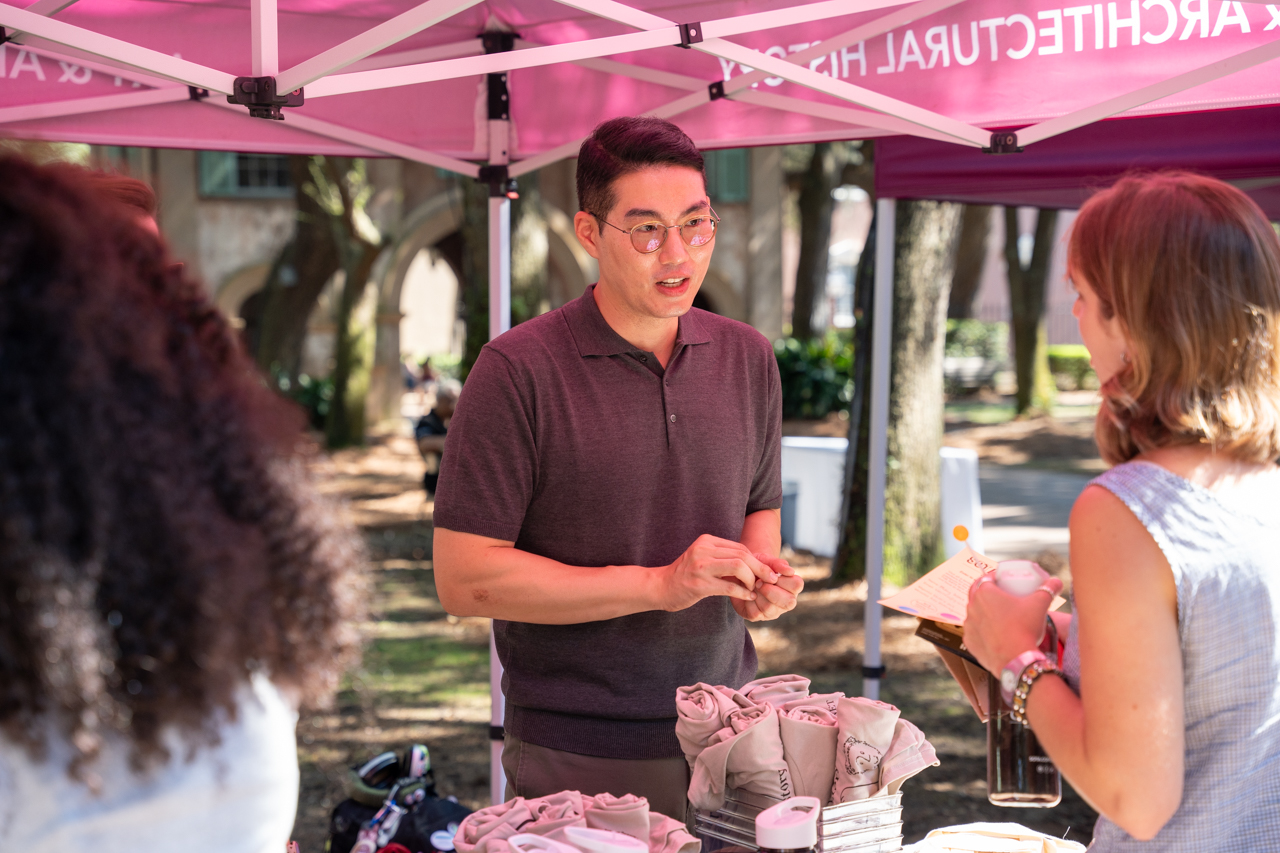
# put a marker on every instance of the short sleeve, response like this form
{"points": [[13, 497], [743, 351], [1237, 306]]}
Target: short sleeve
{"points": [[488, 469], [766, 485]]}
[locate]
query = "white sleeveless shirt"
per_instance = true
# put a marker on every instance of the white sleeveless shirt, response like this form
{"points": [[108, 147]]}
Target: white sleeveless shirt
{"points": [[237, 797], [1225, 557]]}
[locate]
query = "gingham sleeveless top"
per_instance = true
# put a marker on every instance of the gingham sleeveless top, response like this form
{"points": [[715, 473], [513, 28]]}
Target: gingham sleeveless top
{"points": [[1225, 556]]}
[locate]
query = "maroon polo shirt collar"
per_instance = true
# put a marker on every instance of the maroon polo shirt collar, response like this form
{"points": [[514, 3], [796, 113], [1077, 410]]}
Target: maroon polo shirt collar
{"points": [[594, 336]]}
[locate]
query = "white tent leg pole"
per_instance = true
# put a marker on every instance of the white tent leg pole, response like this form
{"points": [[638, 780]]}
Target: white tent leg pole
{"points": [[499, 265], [499, 322], [882, 329], [497, 712]]}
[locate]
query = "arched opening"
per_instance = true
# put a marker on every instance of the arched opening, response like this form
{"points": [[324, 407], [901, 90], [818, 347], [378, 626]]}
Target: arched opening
{"points": [[428, 308], [425, 249], [234, 296]]}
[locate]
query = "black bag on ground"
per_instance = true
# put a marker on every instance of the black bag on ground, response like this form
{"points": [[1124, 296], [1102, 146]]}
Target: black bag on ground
{"points": [[429, 825], [430, 822]]}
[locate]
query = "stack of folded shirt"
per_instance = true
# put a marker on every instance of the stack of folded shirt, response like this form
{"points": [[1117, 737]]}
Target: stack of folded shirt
{"points": [[772, 737], [487, 830]]}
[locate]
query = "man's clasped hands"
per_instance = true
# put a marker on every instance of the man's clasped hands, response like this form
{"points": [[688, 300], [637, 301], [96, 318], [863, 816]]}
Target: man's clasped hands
{"points": [[761, 587]]}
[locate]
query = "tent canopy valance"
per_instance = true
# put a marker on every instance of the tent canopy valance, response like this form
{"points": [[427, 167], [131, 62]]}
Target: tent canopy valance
{"points": [[409, 79], [1238, 146]]}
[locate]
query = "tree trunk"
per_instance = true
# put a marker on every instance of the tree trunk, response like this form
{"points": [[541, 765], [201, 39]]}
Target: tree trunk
{"points": [[474, 287], [971, 255], [297, 278], [353, 351], [1036, 390], [924, 259], [353, 346], [816, 206]]}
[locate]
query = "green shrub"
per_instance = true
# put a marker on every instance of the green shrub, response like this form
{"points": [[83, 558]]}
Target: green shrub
{"points": [[446, 365], [1071, 362], [817, 375], [313, 395], [976, 339]]}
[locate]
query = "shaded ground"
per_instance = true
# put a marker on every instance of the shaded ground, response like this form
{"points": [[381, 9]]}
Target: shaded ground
{"points": [[425, 673]]}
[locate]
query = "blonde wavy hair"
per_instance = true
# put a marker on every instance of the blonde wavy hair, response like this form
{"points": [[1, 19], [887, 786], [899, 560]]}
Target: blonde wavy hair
{"points": [[1191, 267]]}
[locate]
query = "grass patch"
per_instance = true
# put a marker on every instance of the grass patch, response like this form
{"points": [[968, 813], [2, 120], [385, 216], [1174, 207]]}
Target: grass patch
{"points": [[976, 412], [980, 413]]}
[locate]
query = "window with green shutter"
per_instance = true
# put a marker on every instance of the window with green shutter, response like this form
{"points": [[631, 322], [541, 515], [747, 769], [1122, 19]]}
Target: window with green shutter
{"points": [[226, 174], [728, 173]]}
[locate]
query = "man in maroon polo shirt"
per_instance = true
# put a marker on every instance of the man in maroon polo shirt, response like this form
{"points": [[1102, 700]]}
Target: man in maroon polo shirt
{"points": [[612, 488]]}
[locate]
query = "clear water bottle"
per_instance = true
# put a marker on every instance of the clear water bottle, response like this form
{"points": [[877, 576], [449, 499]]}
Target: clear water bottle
{"points": [[1019, 772]]}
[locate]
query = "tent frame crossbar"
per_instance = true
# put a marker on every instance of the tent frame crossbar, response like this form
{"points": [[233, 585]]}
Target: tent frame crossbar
{"points": [[795, 68], [374, 145], [397, 29], [740, 83], [493, 63], [48, 8], [96, 104], [96, 44], [467, 47], [897, 18], [855, 117], [926, 119], [74, 57], [1163, 89]]}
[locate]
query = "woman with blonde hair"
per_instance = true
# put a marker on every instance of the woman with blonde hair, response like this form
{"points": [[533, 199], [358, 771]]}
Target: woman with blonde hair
{"points": [[1166, 715]]}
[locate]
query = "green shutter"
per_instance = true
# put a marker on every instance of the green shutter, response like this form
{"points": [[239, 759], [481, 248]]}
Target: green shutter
{"points": [[218, 174], [226, 174], [728, 178]]}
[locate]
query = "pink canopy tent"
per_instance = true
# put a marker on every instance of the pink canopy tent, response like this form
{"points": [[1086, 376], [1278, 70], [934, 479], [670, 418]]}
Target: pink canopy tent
{"points": [[516, 84], [407, 79], [1240, 146]]}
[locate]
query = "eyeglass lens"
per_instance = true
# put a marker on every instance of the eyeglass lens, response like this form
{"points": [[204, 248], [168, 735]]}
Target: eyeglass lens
{"points": [[650, 236]]}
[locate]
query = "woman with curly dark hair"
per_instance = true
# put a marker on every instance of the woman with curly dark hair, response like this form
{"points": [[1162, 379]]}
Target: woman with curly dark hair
{"points": [[170, 586]]}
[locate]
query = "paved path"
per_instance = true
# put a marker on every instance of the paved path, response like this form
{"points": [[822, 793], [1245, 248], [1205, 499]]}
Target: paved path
{"points": [[1025, 511]]}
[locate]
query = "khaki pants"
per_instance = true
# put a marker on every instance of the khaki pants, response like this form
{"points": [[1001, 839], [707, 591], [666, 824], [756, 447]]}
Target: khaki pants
{"points": [[536, 771]]}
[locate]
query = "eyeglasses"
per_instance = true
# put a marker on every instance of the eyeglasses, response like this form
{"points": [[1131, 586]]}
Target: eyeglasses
{"points": [[648, 237]]}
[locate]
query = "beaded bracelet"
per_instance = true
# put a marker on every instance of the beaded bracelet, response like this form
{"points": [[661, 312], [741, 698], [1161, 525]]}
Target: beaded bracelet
{"points": [[1018, 709]]}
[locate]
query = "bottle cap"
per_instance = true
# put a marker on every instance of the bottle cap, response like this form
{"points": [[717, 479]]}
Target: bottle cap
{"points": [[1020, 577], [790, 825], [603, 840]]}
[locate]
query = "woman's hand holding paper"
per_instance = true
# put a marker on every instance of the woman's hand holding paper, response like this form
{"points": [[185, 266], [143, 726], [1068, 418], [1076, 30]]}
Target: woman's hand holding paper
{"points": [[998, 626]]}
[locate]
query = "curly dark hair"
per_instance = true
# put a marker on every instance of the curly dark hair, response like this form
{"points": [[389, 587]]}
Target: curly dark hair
{"points": [[159, 540]]}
